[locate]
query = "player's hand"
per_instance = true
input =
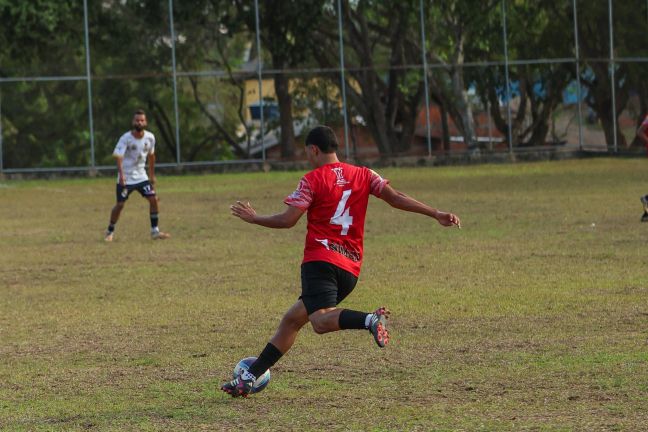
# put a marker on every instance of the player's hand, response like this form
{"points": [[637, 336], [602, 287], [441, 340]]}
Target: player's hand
{"points": [[122, 181], [152, 180], [448, 219], [243, 211]]}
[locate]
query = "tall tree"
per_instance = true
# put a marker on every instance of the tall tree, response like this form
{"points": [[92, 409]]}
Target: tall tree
{"points": [[629, 39], [212, 42], [286, 27], [535, 29], [44, 123], [381, 43], [456, 35]]}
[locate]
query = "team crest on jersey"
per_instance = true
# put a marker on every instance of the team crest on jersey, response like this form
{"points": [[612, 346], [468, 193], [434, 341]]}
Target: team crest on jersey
{"points": [[132, 147], [339, 174]]}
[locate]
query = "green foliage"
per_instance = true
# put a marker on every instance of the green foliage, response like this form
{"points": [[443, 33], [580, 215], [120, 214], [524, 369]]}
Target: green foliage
{"points": [[46, 123]]}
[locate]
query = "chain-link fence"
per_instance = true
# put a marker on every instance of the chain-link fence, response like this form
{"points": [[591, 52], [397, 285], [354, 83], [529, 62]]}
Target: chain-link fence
{"points": [[230, 82]]}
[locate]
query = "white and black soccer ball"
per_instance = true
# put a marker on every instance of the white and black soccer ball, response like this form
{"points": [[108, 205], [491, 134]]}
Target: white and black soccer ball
{"points": [[243, 365]]}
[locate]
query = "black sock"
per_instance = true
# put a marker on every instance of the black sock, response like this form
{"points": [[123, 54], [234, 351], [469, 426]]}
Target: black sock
{"points": [[350, 319], [111, 227], [268, 357], [154, 220]]}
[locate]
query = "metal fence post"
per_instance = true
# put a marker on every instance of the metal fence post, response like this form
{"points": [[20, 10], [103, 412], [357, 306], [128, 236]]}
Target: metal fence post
{"points": [[89, 83], [260, 78], [1, 160], [612, 77], [490, 126], [578, 78], [175, 83], [425, 81], [342, 78], [506, 74]]}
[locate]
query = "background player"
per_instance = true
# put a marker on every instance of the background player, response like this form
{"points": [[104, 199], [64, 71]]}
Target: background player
{"points": [[642, 133], [133, 149], [334, 195]]}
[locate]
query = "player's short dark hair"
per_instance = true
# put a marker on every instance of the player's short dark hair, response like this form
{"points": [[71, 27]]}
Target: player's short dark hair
{"points": [[140, 111], [324, 138]]}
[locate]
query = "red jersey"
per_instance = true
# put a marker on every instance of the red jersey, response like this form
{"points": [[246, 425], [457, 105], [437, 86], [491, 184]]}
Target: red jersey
{"points": [[335, 197]]}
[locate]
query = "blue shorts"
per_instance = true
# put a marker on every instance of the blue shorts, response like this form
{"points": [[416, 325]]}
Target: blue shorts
{"points": [[144, 188]]}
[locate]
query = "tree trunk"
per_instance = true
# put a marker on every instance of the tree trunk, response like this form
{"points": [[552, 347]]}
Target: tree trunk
{"points": [[464, 110], [445, 130], [378, 127], [375, 109], [465, 120], [603, 108], [285, 116]]}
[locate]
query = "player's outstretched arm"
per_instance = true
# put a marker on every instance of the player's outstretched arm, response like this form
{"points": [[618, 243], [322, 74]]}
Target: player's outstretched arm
{"points": [[404, 202], [287, 219]]}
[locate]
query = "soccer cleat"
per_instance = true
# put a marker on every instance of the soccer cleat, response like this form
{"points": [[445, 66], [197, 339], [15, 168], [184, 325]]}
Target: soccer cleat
{"points": [[159, 235], [378, 326], [108, 236], [644, 218], [239, 386]]}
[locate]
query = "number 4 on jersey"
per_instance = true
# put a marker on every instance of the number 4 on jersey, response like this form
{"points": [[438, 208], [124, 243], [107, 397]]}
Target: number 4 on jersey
{"points": [[342, 216]]}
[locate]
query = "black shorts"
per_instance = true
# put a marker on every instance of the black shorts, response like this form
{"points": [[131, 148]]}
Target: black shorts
{"points": [[324, 285], [144, 188]]}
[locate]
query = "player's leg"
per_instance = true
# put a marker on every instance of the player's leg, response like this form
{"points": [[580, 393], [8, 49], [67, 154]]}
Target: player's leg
{"points": [[155, 218], [122, 193], [284, 338], [291, 323], [375, 322], [324, 286], [334, 319], [644, 202], [147, 191]]}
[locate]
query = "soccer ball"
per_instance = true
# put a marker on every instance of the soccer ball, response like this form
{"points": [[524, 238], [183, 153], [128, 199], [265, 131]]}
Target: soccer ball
{"points": [[261, 382]]}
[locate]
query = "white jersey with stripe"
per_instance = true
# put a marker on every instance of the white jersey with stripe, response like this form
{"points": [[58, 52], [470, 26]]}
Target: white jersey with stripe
{"points": [[134, 152]]}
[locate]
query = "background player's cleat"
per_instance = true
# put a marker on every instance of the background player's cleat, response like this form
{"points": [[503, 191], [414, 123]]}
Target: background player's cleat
{"points": [[108, 236], [644, 218], [378, 326], [239, 387], [159, 235]]}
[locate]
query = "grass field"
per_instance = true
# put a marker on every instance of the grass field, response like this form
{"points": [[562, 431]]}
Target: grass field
{"points": [[532, 317]]}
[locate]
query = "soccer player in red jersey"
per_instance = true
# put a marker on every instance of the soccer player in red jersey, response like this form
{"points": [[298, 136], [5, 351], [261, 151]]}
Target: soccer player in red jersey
{"points": [[334, 195], [642, 133]]}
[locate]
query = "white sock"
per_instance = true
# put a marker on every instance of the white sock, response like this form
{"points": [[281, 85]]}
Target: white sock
{"points": [[368, 320], [155, 230]]}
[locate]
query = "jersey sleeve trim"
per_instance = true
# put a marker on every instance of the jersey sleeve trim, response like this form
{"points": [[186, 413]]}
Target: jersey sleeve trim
{"points": [[377, 184], [302, 197], [120, 148], [152, 150]]}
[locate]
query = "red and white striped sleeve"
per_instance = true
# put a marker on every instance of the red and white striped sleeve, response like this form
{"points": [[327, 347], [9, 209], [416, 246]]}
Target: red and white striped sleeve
{"points": [[302, 197], [377, 184]]}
